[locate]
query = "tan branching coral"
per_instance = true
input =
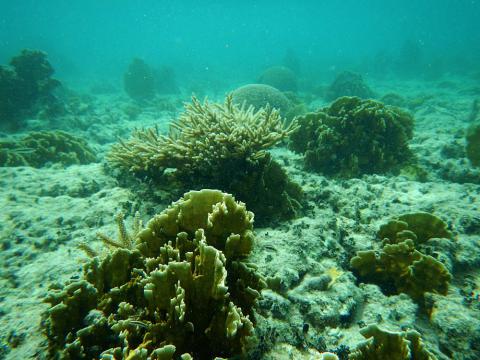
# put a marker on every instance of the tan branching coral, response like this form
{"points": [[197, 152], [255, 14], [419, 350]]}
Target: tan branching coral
{"points": [[222, 146], [204, 136]]}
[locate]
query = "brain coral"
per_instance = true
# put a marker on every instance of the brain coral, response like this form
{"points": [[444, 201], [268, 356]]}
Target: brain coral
{"points": [[348, 83], [354, 137], [183, 291], [259, 96], [280, 77]]}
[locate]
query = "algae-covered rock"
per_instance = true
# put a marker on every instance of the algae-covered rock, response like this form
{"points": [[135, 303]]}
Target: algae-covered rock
{"points": [[280, 77], [401, 266], [354, 137], [383, 344], [473, 144], [40, 148], [184, 291], [348, 83], [260, 96], [139, 80]]}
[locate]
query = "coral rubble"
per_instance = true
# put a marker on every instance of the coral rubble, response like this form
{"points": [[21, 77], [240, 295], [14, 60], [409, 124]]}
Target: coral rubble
{"points": [[354, 137], [184, 290]]}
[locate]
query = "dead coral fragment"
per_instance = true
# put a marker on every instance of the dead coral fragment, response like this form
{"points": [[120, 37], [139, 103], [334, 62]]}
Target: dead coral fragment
{"points": [[383, 344], [183, 291]]}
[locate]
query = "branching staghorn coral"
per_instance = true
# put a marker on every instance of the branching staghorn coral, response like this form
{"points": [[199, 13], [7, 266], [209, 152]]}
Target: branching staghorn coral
{"points": [[203, 138], [126, 240], [219, 146]]}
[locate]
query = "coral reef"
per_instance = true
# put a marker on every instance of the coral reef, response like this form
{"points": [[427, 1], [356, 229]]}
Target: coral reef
{"points": [[354, 137], [473, 144], [139, 80], [184, 290], [279, 77], [401, 265], [37, 149], [25, 86], [219, 146], [260, 96], [384, 344], [348, 83]]}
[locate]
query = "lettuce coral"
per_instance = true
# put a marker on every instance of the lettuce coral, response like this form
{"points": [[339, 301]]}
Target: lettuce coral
{"points": [[219, 146], [401, 266], [354, 137], [184, 290], [383, 344]]}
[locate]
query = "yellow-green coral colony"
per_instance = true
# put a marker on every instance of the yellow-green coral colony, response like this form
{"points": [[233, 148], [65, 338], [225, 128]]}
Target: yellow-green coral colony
{"points": [[183, 291], [352, 137], [399, 265]]}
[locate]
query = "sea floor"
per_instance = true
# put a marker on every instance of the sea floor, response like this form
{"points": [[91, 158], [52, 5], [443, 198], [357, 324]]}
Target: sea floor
{"points": [[47, 212]]}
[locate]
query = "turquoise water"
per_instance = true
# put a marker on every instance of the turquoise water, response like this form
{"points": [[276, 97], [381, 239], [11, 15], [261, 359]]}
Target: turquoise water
{"points": [[259, 180], [202, 38]]}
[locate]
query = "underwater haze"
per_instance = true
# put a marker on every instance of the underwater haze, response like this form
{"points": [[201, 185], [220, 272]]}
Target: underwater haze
{"points": [[91, 38], [262, 180]]}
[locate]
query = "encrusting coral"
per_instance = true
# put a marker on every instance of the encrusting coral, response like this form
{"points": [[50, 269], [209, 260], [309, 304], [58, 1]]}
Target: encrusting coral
{"points": [[184, 290], [41, 147], [401, 265], [354, 137], [383, 344], [218, 146]]}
